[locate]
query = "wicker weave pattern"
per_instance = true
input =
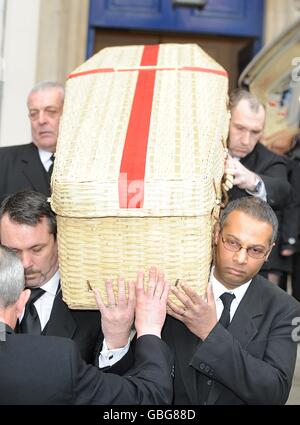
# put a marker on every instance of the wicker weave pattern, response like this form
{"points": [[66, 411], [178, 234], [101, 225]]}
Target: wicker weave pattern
{"points": [[184, 167], [93, 256]]}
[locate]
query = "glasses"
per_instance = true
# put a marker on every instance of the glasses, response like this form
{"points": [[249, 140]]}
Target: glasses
{"points": [[253, 251]]}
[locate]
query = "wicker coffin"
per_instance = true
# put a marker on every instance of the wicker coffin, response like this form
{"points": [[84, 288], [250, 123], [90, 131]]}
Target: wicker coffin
{"points": [[138, 167]]}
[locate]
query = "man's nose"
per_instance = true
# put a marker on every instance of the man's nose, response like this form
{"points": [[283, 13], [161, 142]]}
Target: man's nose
{"points": [[26, 259], [245, 139], [42, 117], [241, 257]]}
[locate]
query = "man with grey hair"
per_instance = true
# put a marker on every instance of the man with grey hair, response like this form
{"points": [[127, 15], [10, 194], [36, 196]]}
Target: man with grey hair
{"points": [[30, 166], [49, 370], [256, 171]]}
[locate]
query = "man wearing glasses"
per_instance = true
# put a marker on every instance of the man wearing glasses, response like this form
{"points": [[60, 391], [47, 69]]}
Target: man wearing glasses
{"points": [[237, 346]]}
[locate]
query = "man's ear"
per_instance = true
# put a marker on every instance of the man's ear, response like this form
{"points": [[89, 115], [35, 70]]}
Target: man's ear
{"points": [[21, 302], [217, 230]]}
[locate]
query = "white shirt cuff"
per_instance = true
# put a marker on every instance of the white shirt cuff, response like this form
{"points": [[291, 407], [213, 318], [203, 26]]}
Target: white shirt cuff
{"points": [[108, 357], [262, 193]]}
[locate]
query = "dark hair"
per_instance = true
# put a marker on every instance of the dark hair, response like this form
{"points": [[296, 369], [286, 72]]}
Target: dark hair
{"points": [[241, 94], [254, 207], [29, 207]]}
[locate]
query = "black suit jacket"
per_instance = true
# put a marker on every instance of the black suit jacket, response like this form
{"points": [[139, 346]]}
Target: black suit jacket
{"points": [[288, 219], [21, 168], [251, 362], [49, 370], [82, 326], [272, 170]]}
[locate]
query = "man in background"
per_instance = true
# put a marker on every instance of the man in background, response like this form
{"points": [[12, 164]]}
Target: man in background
{"points": [[30, 166], [256, 171]]}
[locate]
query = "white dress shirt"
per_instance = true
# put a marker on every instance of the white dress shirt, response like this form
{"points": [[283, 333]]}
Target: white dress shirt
{"points": [[110, 357], [261, 193], [45, 303], [219, 289], [45, 158], [44, 307]]}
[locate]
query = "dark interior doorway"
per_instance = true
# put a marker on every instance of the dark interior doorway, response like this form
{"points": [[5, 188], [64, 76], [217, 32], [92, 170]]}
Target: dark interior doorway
{"points": [[233, 53]]}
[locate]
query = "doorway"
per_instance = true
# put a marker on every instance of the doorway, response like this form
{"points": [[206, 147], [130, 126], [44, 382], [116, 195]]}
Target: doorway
{"points": [[230, 52]]}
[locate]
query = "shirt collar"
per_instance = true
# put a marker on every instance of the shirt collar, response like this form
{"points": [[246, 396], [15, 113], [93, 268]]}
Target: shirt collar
{"points": [[44, 155], [52, 284], [219, 289]]}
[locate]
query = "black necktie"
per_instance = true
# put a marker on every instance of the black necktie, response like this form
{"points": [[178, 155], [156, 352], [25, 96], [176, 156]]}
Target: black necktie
{"points": [[31, 323], [49, 172], [227, 299]]}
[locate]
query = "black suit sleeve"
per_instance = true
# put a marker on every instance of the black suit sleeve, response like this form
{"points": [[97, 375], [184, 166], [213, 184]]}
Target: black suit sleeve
{"points": [[149, 381], [277, 185], [260, 374], [21, 168], [4, 164], [125, 363], [291, 212], [272, 170]]}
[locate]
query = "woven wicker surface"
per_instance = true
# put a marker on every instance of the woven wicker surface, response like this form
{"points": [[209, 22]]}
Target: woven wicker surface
{"points": [[168, 242], [184, 167]]}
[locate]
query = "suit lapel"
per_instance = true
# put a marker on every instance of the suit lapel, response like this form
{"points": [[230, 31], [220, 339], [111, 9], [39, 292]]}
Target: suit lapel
{"points": [[33, 169], [243, 326], [61, 322]]}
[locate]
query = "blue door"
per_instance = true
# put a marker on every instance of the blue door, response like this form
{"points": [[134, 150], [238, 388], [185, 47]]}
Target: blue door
{"points": [[227, 18]]}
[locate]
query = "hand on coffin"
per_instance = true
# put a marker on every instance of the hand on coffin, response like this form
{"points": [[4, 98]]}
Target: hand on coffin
{"points": [[228, 176], [151, 303], [198, 314], [227, 182], [242, 177], [117, 317]]}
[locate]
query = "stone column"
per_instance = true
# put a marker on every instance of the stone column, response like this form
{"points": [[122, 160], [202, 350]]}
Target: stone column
{"points": [[19, 35], [3, 5], [62, 38]]}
